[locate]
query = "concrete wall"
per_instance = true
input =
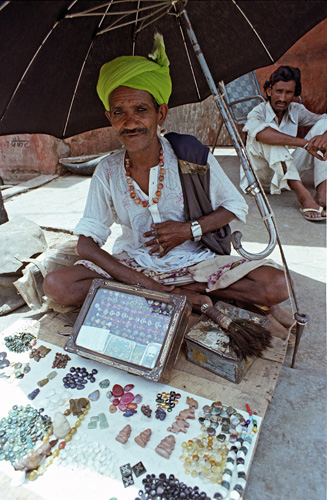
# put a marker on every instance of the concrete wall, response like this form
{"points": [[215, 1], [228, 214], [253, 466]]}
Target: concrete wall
{"points": [[22, 157]]}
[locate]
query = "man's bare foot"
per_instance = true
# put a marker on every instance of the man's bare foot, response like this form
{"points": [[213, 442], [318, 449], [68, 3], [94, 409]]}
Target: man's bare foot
{"points": [[320, 196], [311, 203], [306, 200]]}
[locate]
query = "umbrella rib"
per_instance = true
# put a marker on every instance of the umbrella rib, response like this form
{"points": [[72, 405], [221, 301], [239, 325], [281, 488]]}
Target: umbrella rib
{"points": [[91, 12], [3, 5], [136, 21], [80, 74], [114, 25], [26, 70], [254, 30], [188, 57]]}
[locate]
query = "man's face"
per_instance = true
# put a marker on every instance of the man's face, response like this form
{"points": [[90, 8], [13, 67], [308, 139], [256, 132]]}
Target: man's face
{"points": [[134, 118], [281, 95]]}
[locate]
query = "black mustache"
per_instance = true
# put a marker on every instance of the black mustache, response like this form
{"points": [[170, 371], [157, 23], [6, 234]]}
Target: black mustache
{"points": [[280, 102], [132, 131]]}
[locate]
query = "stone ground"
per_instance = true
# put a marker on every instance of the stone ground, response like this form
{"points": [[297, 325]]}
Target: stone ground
{"points": [[290, 460]]}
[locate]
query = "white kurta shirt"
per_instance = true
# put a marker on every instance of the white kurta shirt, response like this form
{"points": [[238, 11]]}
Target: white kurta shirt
{"points": [[263, 116], [109, 201]]}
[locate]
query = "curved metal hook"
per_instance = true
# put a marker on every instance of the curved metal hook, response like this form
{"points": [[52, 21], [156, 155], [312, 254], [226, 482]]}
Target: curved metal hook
{"points": [[267, 216]]}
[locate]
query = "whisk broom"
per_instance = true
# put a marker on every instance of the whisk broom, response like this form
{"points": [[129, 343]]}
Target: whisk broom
{"points": [[248, 339]]}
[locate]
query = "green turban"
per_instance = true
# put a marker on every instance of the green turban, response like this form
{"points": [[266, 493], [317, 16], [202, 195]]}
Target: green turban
{"points": [[139, 73]]}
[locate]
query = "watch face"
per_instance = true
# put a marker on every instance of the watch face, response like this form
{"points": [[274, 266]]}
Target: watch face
{"points": [[196, 231]]}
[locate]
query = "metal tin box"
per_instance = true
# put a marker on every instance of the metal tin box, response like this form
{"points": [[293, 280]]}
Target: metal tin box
{"points": [[131, 328], [207, 345]]}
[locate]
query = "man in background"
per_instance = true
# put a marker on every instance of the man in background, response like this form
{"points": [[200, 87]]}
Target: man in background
{"points": [[272, 129]]}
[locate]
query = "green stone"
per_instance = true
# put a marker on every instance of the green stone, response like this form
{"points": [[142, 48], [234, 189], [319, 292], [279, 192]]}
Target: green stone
{"points": [[95, 419], [104, 425], [104, 383], [92, 425]]}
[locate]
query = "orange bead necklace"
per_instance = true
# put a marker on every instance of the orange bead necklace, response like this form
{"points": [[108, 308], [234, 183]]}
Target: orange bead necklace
{"points": [[130, 184]]}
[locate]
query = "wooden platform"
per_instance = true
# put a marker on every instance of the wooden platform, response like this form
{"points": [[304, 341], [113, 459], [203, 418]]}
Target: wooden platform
{"points": [[256, 388]]}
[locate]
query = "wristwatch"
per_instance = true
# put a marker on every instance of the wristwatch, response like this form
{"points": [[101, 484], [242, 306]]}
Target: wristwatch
{"points": [[196, 231]]}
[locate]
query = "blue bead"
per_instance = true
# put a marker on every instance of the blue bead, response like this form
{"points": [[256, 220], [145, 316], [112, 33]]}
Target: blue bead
{"points": [[73, 369], [80, 387], [92, 379], [67, 386], [94, 371]]}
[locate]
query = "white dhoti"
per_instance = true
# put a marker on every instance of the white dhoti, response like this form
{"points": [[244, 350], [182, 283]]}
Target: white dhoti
{"points": [[267, 161]]}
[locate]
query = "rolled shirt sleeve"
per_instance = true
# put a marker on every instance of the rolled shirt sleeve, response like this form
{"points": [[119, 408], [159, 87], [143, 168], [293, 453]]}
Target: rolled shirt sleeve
{"points": [[98, 214]]}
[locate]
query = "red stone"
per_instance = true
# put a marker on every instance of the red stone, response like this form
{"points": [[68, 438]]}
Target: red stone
{"points": [[126, 398], [128, 387], [62, 445], [116, 402], [131, 406], [122, 407], [117, 390]]}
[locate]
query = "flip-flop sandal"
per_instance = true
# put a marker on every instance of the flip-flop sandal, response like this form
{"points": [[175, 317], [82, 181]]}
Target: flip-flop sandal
{"points": [[313, 219]]}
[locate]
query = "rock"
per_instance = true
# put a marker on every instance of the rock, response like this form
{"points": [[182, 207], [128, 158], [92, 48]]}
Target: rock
{"points": [[94, 396], [61, 425]]}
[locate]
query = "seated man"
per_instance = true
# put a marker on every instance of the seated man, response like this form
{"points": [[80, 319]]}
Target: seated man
{"points": [[172, 199], [272, 127]]}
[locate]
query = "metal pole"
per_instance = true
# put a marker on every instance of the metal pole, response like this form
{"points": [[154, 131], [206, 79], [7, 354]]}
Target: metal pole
{"points": [[254, 186]]}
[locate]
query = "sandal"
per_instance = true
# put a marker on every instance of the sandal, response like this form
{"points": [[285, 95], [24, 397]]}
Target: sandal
{"points": [[313, 219]]}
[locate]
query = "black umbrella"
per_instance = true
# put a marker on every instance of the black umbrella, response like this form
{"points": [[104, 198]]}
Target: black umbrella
{"points": [[51, 51]]}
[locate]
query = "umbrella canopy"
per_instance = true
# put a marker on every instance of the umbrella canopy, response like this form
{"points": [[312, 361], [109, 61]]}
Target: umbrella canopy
{"points": [[51, 51]]}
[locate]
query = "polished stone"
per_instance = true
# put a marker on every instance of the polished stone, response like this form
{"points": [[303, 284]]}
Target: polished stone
{"points": [[94, 396]]}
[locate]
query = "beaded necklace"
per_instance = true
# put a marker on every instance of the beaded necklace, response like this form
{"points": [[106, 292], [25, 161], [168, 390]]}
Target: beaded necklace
{"points": [[130, 184]]}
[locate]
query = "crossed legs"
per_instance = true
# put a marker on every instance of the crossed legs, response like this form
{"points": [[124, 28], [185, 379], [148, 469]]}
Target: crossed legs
{"points": [[264, 286]]}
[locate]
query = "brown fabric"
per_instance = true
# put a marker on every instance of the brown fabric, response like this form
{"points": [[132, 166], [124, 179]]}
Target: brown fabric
{"points": [[197, 203]]}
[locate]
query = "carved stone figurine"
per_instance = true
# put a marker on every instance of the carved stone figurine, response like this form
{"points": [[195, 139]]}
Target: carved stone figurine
{"points": [[143, 438], [166, 446], [179, 426], [187, 413], [61, 425], [192, 403], [123, 435], [77, 405]]}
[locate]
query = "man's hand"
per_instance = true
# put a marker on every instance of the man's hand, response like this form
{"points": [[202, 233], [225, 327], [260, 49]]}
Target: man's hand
{"points": [[167, 235], [317, 146]]}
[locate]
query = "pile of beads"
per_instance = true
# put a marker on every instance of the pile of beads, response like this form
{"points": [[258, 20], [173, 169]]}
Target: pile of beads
{"points": [[89, 456], [167, 401], [34, 474], [21, 430], [76, 378], [60, 360], [204, 457], [168, 488], [220, 451], [21, 342]]}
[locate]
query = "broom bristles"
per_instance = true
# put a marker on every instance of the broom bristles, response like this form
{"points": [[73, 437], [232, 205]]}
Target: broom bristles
{"points": [[248, 339]]}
